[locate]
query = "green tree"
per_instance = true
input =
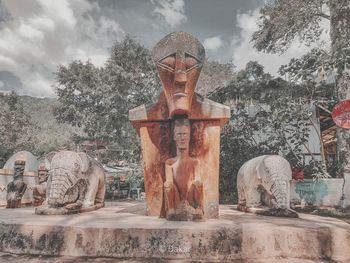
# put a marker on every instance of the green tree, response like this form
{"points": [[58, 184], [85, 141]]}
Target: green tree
{"points": [[253, 83], [98, 99], [282, 21], [16, 129], [213, 76], [49, 135], [269, 116]]}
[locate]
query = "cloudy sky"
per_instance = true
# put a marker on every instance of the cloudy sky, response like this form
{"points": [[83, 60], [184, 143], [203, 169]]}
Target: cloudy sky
{"points": [[38, 35]]}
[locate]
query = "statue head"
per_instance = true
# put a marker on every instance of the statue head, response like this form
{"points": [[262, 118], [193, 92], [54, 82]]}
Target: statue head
{"points": [[19, 168], [43, 173], [179, 58], [182, 133]]}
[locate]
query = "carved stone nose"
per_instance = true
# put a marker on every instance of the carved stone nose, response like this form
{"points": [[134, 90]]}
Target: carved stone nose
{"points": [[180, 77], [180, 69]]}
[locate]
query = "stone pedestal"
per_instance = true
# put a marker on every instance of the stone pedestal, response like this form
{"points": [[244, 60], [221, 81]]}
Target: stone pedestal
{"points": [[122, 231]]}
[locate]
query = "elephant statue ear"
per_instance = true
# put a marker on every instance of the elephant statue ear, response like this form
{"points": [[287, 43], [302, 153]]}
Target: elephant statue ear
{"points": [[85, 162]]}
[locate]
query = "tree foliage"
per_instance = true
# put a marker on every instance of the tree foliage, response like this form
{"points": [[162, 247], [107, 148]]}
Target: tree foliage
{"points": [[253, 83], [16, 130], [269, 116], [214, 75], [49, 134], [98, 99], [282, 21]]}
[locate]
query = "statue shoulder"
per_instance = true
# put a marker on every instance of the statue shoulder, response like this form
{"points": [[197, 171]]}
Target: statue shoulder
{"points": [[150, 112], [203, 108]]}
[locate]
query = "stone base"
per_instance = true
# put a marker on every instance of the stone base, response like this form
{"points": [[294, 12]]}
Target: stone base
{"points": [[47, 210], [121, 230], [266, 211], [73, 209], [185, 213]]}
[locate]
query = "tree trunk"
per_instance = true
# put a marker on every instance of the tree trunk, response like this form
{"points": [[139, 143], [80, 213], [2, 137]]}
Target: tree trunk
{"points": [[340, 41]]}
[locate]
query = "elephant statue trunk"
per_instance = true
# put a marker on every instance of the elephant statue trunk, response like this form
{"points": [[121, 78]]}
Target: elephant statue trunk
{"points": [[59, 186], [63, 187], [280, 191]]}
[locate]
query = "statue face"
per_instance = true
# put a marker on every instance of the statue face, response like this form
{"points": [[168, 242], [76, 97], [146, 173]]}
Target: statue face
{"points": [[42, 176], [19, 170], [179, 58], [182, 135]]}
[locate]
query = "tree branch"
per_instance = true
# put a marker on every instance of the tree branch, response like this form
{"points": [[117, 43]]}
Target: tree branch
{"points": [[324, 15]]}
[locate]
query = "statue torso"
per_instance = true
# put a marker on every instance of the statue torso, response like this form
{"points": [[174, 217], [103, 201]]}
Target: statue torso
{"points": [[183, 174]]}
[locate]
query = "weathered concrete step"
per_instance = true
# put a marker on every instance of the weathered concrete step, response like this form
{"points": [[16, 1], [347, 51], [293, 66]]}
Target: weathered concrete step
{"points": [[120, 230], [7, 257]]}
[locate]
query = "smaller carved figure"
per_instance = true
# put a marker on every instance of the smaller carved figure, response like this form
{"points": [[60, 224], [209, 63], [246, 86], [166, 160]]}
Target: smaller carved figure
{"points": [[183, 186], [16, 188], [39, 191], [263, 185]]}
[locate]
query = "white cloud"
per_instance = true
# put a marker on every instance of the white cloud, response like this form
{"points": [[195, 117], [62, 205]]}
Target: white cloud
{"points": [[173, 11], [7, 61], [44, 23], [213, 43], [44, 33], [40, 85], [244, 52], [1, 84]]}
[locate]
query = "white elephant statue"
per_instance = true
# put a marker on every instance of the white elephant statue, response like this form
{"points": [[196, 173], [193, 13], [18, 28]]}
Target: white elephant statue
{"points": [[263, 185], [76, 184]]}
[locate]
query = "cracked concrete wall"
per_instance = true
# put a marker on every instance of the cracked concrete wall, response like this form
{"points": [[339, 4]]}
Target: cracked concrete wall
{"points": [[324, 192]]}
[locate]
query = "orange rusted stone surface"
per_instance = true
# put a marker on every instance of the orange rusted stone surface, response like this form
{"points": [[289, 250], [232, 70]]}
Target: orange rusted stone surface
{"points": [[183, 187], [179, 58]]}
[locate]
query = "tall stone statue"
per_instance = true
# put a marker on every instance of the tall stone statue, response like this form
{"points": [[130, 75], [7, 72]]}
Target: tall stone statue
{"points": [[16, 188], [179, 58], [183, 185]]}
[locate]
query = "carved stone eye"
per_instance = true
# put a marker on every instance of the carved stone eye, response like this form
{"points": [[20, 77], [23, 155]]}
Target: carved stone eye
{"points": [[168, 62], [182, 135], [191, 62]]}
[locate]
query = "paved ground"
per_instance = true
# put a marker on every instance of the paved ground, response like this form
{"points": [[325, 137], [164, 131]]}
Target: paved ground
{"points": [[133, 215], [121, 230]]}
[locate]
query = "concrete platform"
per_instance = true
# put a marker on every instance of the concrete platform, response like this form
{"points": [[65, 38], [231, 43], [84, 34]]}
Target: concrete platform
{"points": [[121, 230]]}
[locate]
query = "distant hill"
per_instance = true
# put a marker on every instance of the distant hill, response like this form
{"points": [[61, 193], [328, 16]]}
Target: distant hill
{"points": [[51, 135]]}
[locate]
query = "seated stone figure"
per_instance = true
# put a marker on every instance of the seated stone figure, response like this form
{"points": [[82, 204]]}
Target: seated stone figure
{"points": [[16, 188], [39, 191], [183, 186]]}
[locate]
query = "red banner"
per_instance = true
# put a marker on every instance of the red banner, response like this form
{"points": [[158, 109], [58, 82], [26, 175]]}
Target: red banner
{"points": [[341, 114]]}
